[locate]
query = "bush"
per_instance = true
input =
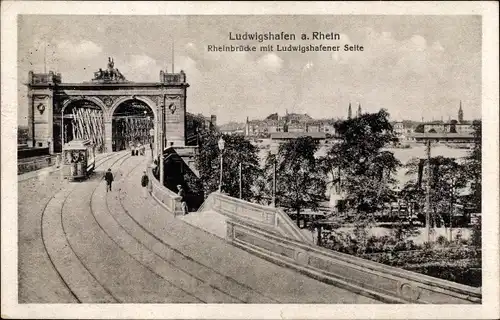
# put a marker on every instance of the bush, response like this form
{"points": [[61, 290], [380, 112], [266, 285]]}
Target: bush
{"points": [[443, 259], [441, 240], [466, 273], [475, 239]]}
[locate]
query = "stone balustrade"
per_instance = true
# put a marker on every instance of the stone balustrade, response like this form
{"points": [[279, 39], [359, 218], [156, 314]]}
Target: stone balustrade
{"points": [[375, 280], [273, 219], [270, 234], [44, 78], [168, 199]]}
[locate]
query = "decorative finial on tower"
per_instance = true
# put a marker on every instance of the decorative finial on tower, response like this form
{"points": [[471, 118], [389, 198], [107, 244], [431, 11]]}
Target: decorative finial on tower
{"points": [[349, 112]]}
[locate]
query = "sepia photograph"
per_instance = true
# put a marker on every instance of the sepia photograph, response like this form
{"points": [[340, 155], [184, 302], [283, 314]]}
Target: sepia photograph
{"points": [[266, 159]]}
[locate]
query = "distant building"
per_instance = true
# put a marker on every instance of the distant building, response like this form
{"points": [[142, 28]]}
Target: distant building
{"points": [[196, 125], [460, 113], [358, 114], [451, 127], [293, 122], [399, 128], [444, 137]]}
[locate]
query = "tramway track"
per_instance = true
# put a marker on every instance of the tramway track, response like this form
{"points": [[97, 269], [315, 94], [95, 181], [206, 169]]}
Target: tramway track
{"points": [[43, 236], [124, 249], [183, 255], [121, 160], [123, 174]]}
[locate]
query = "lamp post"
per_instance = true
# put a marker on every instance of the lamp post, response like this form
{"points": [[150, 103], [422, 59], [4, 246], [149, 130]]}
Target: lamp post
{"points": [[221, 148], [274, 151], [161, 144], [240, 181], [147, 120], [62, 130], [428, 194]]}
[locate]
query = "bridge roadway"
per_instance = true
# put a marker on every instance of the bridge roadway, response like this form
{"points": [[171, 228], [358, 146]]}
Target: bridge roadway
{"points": [[78, 243]]}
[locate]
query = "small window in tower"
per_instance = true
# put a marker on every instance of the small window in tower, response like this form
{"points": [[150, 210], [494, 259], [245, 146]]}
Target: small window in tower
{"points": [[40, 144]]}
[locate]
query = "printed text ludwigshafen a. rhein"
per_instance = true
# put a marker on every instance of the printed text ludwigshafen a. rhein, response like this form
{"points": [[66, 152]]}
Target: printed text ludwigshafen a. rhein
{"points": [[270, 36]]}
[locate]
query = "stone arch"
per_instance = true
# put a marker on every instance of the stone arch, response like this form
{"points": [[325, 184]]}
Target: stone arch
{"points": [[78, 99], [150, 103], [94, 100], [147, 101]]}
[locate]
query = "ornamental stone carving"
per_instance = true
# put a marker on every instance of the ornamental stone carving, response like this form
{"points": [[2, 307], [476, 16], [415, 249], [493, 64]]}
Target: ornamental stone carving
{"points": [[108, 100], [157, 99], [41, 96], [302, 257], [408, 291]]}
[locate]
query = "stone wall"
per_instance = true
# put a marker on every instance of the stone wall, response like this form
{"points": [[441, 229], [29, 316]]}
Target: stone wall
{"points": [[375, 280], [270, 234], [272, 219], [163, 195]]}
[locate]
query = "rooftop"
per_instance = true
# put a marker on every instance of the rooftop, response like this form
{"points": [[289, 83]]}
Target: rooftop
{"points": [[466, 135]]}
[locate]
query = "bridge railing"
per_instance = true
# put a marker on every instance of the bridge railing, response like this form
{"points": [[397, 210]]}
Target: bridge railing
{"points": [[269, 233], [368, 278], [273, 218], [167, 198]]}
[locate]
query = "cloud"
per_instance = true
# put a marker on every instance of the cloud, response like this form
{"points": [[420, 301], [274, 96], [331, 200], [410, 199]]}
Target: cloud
{"points": [[270, 62], [417, 43], [437, 46], [85, 49], [141, 61], [140, 67]]}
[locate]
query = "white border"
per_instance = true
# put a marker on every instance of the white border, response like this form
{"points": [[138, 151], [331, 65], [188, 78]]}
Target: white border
{"points": [[490, 103]]}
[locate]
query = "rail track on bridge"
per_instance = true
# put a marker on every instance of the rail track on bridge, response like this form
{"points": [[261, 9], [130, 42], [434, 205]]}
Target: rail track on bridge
{"points": [[202, 284]]}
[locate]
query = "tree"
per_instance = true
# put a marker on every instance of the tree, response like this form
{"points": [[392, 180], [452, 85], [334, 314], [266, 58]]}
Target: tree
{"points": [[447, 181], [420, 128], [300, 183], [236, 150], [365, 170]]}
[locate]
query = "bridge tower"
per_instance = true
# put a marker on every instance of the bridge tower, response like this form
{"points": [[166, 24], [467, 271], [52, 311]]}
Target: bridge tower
{"points": [[41, 87]]}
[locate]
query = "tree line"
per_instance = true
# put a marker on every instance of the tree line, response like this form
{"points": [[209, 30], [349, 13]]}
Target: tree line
{"points": [[357, 164]]}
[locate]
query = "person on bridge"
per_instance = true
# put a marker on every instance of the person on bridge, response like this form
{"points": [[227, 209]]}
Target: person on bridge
{"points": [[144, 184], [182, 194], [109, 180]]}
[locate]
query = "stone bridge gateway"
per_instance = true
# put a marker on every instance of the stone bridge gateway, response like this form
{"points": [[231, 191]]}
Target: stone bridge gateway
{"points": [[50, 99]]}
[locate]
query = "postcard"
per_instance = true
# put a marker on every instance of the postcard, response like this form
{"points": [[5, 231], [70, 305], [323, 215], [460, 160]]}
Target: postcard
{"points": [[296, 160]]}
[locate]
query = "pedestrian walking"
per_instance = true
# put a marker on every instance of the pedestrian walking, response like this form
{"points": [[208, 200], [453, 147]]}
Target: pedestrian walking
{"points": [[109, 180], [182, 194], [144, 184]]}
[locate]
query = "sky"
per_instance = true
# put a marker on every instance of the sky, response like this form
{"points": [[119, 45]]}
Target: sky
{"points": [[414, 66]]}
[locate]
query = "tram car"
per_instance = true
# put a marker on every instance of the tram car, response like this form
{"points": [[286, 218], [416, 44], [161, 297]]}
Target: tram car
{"points": [[79, 159]]}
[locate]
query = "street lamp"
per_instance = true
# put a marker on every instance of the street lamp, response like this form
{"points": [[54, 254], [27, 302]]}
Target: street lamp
{"points": [[151, 141], [221, 148], [161, 142], [274, 151]]}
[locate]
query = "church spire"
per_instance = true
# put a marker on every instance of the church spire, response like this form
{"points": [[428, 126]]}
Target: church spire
{"points": [[460, 113], [359, 110], [349, 112]]}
